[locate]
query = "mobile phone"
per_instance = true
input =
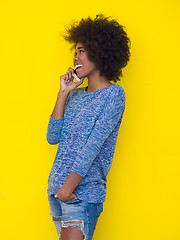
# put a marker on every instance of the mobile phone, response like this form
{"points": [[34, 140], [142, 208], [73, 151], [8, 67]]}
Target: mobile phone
{"points": [[75, 74]]}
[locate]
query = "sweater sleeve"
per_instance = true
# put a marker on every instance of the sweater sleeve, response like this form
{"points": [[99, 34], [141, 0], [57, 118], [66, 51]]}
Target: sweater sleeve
{"points": [[55, 127], [108, 119], [54, 130]]}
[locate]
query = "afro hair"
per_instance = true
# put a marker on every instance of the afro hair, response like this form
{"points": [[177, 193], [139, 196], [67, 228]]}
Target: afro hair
{"points": [[106, 42]]}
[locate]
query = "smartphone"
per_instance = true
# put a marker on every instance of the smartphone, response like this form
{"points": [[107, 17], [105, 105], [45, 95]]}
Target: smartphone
{"points": [[75, 74]]}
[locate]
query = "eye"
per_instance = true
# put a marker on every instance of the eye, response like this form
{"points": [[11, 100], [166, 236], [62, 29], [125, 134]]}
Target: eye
{"points": [[79, 51]]}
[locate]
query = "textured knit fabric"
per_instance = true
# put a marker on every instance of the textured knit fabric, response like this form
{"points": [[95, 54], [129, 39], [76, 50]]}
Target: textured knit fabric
{"points": [[87, 136]]}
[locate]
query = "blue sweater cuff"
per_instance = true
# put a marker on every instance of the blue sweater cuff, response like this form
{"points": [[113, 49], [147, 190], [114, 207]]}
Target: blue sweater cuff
{"points": [[52, 120]]}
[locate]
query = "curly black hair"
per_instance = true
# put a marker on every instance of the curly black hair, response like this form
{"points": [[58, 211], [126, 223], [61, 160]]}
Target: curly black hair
{"points": [[106, 42]]}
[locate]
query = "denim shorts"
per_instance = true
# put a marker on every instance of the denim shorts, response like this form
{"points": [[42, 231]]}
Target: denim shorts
{"points": [[75, 210]]}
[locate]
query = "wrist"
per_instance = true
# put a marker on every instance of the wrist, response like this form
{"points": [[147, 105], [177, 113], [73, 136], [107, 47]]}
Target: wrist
{"points": [[62, 96], [63, 92], [65, 196]]}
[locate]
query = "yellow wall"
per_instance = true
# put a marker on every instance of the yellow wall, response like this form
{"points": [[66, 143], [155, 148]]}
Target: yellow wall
{"points": [[143, 185]]}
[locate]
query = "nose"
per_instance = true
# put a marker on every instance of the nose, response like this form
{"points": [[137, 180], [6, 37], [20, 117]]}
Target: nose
{"points": [[75, 59]]}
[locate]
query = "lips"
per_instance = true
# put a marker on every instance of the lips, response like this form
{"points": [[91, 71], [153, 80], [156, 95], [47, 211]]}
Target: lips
{"points": [[78, 67]]}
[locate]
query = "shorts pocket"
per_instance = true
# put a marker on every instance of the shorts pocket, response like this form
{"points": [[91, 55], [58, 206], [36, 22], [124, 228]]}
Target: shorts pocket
{"points": [[76, 200]]}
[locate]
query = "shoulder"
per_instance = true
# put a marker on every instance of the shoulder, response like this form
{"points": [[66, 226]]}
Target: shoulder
{"points": [[117, 92]]}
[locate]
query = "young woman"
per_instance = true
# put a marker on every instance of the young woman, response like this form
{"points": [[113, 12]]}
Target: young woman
{"points": [[85, 123]]}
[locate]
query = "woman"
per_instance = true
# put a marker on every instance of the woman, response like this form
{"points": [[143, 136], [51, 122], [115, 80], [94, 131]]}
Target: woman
{"points": [[85, 122]]}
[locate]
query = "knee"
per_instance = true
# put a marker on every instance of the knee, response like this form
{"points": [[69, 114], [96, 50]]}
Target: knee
{"points": [[72, 230]]}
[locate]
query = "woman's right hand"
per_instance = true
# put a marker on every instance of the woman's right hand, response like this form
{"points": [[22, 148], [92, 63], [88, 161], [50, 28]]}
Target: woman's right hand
{"points": [[66, 81]]}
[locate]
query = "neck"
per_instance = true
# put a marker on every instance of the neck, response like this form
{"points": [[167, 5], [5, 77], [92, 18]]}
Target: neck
{"points": [[96, 82]]}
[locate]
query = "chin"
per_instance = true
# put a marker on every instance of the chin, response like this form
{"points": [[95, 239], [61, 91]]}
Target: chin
{"points": [[81, 76]]}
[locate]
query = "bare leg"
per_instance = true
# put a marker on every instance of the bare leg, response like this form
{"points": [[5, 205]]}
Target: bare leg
{"points": [[72, 232]]}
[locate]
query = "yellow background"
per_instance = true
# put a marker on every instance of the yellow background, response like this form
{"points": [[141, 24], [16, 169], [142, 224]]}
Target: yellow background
{"points": [[143, 197]]}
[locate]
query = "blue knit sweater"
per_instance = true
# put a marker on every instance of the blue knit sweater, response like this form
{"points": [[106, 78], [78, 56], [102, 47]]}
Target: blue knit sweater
{"points": [[87, 136]]}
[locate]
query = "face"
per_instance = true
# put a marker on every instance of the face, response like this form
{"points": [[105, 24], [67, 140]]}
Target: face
{"points": [[81, 58]]}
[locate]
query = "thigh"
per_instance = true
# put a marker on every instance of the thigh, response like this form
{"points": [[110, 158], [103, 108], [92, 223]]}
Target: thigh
{"points": [[55, 207], [78, 213]]}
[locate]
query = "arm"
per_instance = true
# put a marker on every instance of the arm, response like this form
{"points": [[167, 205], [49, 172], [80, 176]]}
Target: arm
{"points": [[65, 192], [107, 121], [56, 119], [58, 111]]}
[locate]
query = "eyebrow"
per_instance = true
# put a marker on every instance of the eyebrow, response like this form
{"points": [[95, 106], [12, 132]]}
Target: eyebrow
{"points": [[80, 47]]}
